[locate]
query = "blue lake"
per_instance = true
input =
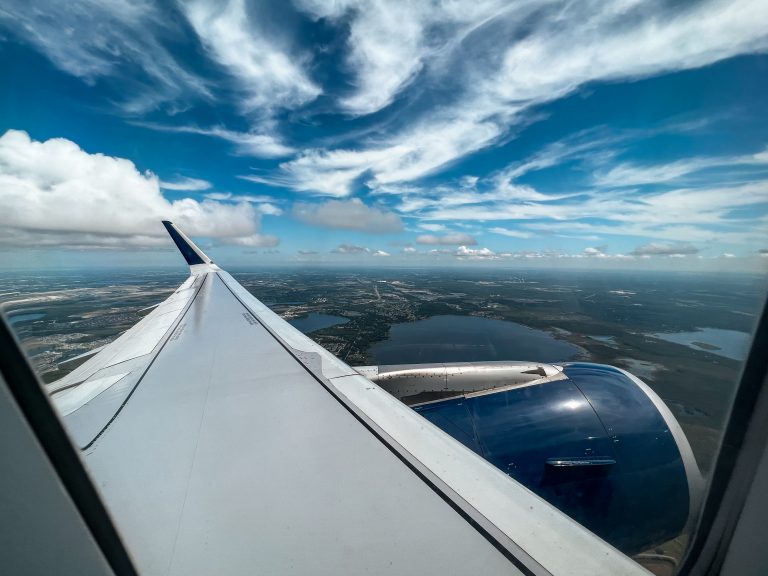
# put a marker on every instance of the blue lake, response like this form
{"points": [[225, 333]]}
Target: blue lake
{"points": [[314, 321], [727, 343], [469, 339], [16, 318]]}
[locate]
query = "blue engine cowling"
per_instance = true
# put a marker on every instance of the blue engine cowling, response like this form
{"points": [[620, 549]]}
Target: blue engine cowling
{"points": [[599, 445]]}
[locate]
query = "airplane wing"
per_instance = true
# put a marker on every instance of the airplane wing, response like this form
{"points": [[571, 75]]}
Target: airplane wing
{"points": [[224, 441]]}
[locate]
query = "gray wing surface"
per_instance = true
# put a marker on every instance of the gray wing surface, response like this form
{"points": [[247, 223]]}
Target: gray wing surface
{"points": [[226, 442]]}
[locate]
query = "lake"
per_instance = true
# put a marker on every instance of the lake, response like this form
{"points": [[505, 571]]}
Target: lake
{"points": [[16, 318], [315, 321], [469, 339], [731, 344]]}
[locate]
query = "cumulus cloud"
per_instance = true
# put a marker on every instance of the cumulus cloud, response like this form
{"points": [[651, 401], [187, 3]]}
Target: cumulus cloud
{"points": [[186, 183], [348, 215], [456, 239], [464, 253], [380, 253], [654, 249], [54, 192], [595, 252]]}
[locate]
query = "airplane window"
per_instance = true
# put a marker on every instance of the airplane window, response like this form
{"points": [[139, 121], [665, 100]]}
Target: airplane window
{"points": [[541, 228]]}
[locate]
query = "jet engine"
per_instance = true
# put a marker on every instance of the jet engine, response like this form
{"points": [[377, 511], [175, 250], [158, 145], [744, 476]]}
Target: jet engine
{"points": [[593, 440]]}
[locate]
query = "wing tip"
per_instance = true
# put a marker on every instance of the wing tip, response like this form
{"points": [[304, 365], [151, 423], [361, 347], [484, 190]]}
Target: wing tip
{"points": [[189, 250]]}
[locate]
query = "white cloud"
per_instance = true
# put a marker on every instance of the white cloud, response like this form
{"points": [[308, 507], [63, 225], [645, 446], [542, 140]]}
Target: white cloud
{"points": [[348, 215], [54, 192], [380, 253], [269, 209], [595, 252], [270, 76], [257, 145], [454, 239], [186, 183], [219, 196], [462, 252]]}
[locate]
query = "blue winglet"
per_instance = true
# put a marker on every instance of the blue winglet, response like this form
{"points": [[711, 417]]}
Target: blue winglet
{"points": [[192, 254]]}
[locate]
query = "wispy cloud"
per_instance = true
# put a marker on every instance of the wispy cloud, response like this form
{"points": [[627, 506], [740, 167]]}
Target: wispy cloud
{"points": [[93, 40], [633, 174], [245, 143], [270, 76], [532, 54], [185, 183], [390, 43]]}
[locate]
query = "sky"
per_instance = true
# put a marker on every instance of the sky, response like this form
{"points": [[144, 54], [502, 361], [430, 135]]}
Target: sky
{"points": [[590, 134]]}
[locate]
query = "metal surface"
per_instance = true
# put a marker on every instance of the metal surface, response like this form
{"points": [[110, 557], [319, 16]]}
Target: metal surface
{"points": [[417, 383], [41, 531], [595, 442]]}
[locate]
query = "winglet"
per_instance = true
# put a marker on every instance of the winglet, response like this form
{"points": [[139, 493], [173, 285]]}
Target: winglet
{"points": [[192, 254]]}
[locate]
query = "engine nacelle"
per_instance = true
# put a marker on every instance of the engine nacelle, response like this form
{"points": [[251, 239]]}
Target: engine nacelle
{"points": [[593, 440]]}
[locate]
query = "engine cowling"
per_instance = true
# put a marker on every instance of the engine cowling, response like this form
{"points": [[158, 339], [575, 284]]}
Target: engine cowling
{"points": [[593, 440]]}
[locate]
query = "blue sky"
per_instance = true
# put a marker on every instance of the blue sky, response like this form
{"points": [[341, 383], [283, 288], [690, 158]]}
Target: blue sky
{"points": [[548, 133]]}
